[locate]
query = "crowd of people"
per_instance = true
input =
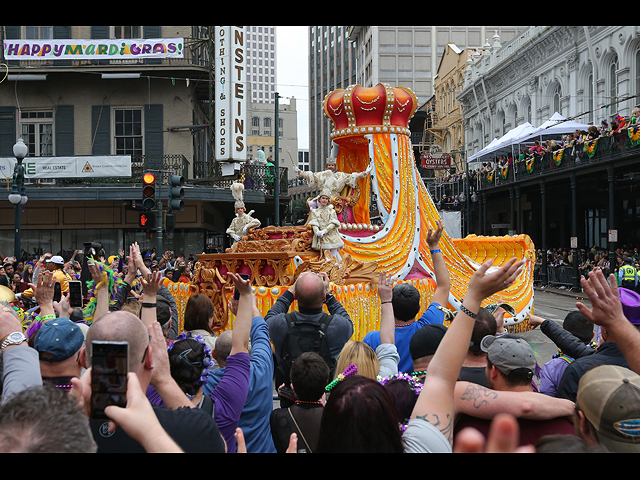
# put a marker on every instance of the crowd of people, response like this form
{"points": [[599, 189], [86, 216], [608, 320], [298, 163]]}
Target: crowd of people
{"points": [[438, 382], [589, 260], [574, 140]]}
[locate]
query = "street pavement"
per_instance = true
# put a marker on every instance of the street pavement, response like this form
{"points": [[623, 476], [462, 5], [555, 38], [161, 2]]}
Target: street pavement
{"points": [[551, 304]]}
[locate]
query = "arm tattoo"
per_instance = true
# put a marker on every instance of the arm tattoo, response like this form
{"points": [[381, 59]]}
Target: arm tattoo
{"points": [[445, 426], [478, 395]]}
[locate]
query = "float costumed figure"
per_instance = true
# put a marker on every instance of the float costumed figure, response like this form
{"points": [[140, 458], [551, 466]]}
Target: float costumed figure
{"points": [[325, 224], [332, 180], [243, 221]]}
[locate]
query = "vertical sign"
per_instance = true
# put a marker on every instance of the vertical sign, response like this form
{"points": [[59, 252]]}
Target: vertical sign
{"points": [[239, 94], [222, 91], [230, 98]]}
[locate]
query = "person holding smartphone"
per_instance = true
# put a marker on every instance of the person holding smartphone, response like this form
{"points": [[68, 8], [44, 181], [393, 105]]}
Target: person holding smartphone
{"points": [[193, 429], [54, 264]]}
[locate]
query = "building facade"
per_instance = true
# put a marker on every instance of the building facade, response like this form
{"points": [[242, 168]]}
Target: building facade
{"points": [[263, 129], [367, 55], [155, 109], [262, 59], [331, 66], [587, 74]]}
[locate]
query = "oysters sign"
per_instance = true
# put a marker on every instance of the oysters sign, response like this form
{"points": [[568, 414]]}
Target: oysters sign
{"points": [[230, 101], [435, 158]]}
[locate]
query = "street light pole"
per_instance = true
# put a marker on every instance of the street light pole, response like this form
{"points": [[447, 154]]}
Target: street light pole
{"points": [[17, 196], [276, 185]]}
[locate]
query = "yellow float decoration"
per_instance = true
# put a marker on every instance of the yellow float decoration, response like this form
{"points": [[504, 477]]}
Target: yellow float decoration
{"points": [[370, 125]]}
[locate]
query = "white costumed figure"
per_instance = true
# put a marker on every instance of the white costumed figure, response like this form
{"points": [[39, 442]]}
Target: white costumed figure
{"points": [[331, 180], [243, 221], [324, 221]]}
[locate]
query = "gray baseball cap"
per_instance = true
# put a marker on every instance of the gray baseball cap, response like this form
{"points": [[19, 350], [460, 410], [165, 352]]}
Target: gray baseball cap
{"points": [[510, 355]]}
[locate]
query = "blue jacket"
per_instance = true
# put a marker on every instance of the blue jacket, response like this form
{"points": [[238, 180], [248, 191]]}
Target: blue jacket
{"points": [[254, 420], [403, 336]]}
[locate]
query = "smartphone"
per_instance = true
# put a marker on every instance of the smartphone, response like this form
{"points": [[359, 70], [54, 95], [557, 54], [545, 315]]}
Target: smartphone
{"points": [[57, 292], [109, 368], [236, 293], [75, 294], [286, 392]]}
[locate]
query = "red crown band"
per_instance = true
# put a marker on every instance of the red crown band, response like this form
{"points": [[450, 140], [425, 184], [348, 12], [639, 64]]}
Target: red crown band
{"points": [[380, 109]]}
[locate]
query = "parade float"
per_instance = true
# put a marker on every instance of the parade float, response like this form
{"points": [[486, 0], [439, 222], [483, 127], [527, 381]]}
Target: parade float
{"points": [[370, 129]]}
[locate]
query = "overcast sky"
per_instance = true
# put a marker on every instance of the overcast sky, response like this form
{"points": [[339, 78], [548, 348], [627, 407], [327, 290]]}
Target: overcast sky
{"points": [[293, 74]]}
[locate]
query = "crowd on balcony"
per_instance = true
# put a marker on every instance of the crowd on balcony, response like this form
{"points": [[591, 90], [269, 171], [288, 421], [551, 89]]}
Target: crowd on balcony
{"points": [[575, 140]]}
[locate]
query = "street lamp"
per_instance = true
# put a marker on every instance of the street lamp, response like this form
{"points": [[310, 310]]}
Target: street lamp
{"points": [[17, 196]]}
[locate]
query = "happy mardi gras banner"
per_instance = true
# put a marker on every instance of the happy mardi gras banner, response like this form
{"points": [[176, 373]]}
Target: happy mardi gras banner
{"points": [[70, 49]]}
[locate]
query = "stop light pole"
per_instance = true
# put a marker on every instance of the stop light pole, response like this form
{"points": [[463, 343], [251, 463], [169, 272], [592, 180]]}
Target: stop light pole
{"points": [[175, 202]]}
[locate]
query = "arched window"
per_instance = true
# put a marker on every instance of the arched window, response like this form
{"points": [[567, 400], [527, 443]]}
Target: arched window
{"points": [[637, 74], [590, 100], [557, 93], [613, 85]]}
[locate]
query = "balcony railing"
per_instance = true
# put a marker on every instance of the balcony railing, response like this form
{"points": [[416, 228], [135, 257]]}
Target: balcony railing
{"points": [[254, 177], [618, 145]]}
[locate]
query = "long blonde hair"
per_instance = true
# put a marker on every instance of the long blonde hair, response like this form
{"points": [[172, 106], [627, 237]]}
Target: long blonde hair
{"points": [[360, 354]]}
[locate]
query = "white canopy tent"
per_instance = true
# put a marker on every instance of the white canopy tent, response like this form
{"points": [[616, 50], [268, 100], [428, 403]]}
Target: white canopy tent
{"points": [[556, 125], [505, 142]]}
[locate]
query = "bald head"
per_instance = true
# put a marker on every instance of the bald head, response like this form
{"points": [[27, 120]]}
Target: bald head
{"points": [[120, 326], [309, 290]]}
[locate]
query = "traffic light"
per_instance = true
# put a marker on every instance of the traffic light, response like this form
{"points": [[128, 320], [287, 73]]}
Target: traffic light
{"points": [[149, 191], [147, 220], [176, 193], [170, 221]]}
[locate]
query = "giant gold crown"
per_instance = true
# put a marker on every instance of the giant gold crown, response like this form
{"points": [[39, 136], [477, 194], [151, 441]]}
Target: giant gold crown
{"points": [[380, 109]]}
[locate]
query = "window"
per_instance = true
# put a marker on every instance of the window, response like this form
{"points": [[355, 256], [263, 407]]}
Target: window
{"points": [[37, 33], [37, 132], [128, 131], [590, 100], [638, 72], [127, 32], [613, 84], [556, 99]]}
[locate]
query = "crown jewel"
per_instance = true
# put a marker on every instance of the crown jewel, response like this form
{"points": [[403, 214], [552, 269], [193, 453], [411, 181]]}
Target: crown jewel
{"points": [[380, 109]]}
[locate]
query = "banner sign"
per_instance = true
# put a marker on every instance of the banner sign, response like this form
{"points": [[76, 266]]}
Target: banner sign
{"points": [[230, 103], [114, 166], [435, 159], [74, 49]]}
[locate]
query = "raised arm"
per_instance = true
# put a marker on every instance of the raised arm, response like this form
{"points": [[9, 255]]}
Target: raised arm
{"points": [[435, 404], [150, 286], [441, 295], [242, 325], [387, 326], [606, 311]]}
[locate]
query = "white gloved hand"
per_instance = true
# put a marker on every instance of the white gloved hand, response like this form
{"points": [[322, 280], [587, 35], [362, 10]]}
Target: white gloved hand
{"points": [[236, 237], [369, 168], [244, 229], [321, 233]]}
